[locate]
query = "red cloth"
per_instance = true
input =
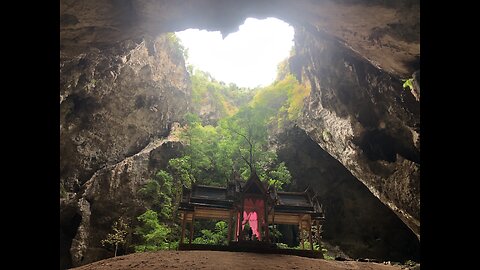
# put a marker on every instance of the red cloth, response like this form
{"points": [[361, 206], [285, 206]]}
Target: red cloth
{"points": [[253, 214]]}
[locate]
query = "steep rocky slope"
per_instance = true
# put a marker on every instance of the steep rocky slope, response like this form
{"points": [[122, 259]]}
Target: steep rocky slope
{"points": [[364, 118], [87, 216], [117, 106], [356, 221], [114, 101]]}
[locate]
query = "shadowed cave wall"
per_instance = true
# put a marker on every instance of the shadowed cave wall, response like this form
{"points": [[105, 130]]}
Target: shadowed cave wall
{"points": [[123, 87], [355, 220]]}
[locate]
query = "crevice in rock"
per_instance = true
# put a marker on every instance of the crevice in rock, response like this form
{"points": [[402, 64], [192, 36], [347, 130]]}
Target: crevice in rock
{"points": [[379, 145], [69, 223]]}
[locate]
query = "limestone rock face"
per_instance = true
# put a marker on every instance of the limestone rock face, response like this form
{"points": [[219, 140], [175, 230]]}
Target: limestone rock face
{"points": [[364, 118], [114, 101], [357, 223], [112, 192], [117, 105]]}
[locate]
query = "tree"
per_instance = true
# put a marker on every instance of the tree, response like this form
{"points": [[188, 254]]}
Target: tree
{"points": [[154, 234], [278, 176], [118, 236], [218, 237], [158, 192], [238, 144]]}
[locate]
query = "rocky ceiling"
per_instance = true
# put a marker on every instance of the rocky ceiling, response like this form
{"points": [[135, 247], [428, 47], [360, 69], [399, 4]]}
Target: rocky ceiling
{"points": [[385, 32]]}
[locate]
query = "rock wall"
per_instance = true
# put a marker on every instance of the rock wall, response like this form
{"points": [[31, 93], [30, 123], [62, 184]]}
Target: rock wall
{"points": [[117, 106], [356, 222], [114, 101], [87, 216], [362, 117]]}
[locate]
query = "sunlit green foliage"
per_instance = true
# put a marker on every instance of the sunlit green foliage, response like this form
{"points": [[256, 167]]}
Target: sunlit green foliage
{"points": [[326, 256], [279, 176], [177, 45], [284, 99], [226, 99], [408, 83], [238, 144], [306, 246]]}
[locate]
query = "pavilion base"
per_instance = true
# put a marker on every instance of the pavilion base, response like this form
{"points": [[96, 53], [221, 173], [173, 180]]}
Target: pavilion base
{"points": [[255, 247]]}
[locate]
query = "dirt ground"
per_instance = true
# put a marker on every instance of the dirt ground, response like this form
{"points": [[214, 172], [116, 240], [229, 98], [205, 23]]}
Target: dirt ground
{"points": [[225, 260]]}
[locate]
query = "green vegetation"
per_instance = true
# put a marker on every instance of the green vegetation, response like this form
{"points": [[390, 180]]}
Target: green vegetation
{"points": [[118, 236], [326, 135], [225, 99], [307, 247], [326, 256], [409, 263], [237, 145], [158, 191], [176, 45], [408, 83], [155, 235], [284, 99], [282, 246], [217, 237], [63, 191]]}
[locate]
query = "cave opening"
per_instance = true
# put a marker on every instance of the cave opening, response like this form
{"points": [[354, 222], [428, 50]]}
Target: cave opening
{"points": [[247, 57], [68, 230]]}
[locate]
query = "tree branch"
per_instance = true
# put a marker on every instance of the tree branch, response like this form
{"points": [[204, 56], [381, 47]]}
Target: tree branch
{"points": [[248, 140]]}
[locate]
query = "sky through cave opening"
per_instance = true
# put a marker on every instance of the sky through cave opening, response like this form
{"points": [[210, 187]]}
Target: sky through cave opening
{"points": [[247, 58]]}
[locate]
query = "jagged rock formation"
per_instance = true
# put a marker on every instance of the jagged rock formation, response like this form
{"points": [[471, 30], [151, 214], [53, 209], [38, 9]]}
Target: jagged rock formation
{"points": [[364, 118], [356, 221], [114, 102], [121, 91], [87, 216]]}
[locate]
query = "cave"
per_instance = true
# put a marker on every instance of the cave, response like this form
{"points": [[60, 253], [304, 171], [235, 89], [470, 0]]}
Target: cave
{"points": [[123, 89], [68, 229]]}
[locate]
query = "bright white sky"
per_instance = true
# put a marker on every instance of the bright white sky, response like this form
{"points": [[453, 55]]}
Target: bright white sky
{"points": [[248, 58]]}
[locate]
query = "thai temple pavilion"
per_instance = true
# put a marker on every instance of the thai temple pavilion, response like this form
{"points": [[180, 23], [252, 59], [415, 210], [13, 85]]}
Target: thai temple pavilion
{"points": [[253, 203]]}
